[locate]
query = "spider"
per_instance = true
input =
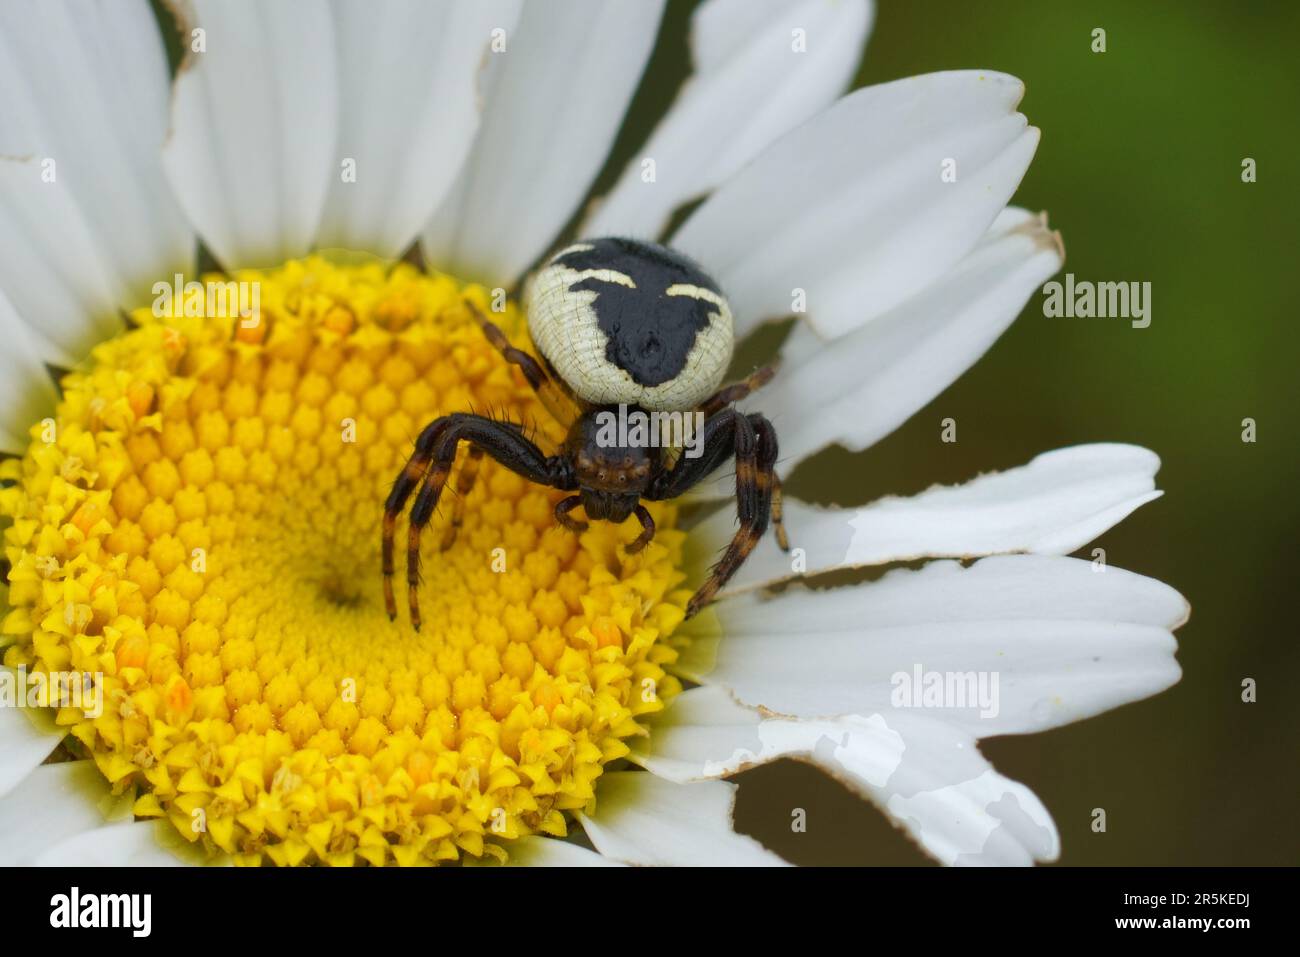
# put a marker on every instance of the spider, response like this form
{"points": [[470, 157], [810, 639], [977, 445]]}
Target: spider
{"points": [[621, 325]]}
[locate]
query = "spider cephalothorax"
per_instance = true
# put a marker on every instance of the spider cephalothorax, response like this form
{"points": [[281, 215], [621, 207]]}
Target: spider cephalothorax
{"points": [[625, 328]]}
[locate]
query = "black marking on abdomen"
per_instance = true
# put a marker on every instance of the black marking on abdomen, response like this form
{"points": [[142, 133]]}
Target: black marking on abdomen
{"points": [[650, 333]]}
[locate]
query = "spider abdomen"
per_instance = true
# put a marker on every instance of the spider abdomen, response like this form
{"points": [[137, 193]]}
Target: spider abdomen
{"points": [[628, 321]]}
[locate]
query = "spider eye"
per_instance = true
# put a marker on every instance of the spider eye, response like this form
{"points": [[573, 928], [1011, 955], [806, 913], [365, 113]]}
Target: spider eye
{"points": [[622, 320]]}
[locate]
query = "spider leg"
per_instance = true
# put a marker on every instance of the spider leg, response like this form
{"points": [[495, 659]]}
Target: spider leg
{"points": [[562, 509], [752, 440], [557, 403], [736, 391], [717, 445], [752, 508], [767, 439], [429, 466], [647, 531], [778, 515], [724, 397], [412, 474], [464, 485]]}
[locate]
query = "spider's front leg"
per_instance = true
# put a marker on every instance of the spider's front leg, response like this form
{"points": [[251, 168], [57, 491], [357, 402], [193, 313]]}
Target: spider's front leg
{"points": [[465, 480], [752, 441], [731, 394], [557, 403], [429, 466]]}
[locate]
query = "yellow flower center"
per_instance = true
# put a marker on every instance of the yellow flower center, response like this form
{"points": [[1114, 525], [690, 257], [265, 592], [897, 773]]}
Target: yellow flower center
{"points": [[198, 529]]}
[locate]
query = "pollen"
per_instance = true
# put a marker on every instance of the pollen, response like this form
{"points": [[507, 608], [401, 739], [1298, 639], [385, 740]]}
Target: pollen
{"points": [[199, 534]]}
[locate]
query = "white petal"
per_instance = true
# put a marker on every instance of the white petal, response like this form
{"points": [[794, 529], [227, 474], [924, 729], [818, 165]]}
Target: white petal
{"points": [[27, 735], [1062, 640], [30, 393], [254, 126], [851, 207], [1060, 501], [555, 100], [55, 802], [408, 87], [644, 819], [539, 851], [752, 84], [133, 844], [857, 389], [85, 88], [720, 29], [706, 734], [928, 776]]}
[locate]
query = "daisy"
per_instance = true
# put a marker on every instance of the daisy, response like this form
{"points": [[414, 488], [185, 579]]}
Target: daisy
{"points": [[193, 516]]}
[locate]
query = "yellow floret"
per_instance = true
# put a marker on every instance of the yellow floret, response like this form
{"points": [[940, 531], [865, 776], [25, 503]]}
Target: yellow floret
{"points": [[203, 538]]}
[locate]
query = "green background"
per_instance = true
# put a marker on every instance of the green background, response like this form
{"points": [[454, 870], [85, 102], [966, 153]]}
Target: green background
{"points": [[1140, 168]]}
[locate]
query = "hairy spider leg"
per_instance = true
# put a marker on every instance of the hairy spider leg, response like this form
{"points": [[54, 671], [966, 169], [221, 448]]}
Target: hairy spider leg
{"points": [[767, 439], [429, 466], [752, 441], [557, 403], [778, 515], [465, 479], [736, 391], [727, 395]]}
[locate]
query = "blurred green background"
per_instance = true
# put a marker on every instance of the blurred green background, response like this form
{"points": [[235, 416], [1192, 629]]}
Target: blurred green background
{"points": [[1140, 168]]}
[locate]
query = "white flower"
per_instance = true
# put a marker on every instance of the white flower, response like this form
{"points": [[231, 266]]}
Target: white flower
{"points": [[478, 128]]}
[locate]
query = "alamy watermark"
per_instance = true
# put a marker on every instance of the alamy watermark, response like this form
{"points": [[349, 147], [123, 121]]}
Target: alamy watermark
{"points": [[130, 911], [919, 688], [214, 298], [80, 690], [1085, 299], [640, 429]]}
